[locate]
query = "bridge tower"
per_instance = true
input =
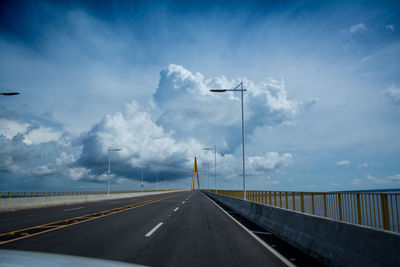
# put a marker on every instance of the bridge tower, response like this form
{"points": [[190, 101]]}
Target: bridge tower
{"points": [[195, 173]]}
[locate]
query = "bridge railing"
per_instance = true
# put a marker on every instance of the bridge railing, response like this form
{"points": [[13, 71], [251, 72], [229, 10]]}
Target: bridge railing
{"points": [[22, 194], [377, 210]]}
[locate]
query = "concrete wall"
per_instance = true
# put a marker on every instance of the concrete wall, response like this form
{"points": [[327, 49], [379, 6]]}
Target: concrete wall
{"points": [[10, 204], [330, 242]]}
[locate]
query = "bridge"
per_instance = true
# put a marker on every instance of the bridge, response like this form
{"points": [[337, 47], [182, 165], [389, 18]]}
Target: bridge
{"points": [[203, 228]]}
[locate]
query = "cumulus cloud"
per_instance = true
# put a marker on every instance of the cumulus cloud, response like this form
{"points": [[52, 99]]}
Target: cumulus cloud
{"points": [[189, 109], [21, 158], [188, 118], [161, 138], [343, 163], [147, 145], [393, 94], [269, 162], [360, 27], [144, 145]]}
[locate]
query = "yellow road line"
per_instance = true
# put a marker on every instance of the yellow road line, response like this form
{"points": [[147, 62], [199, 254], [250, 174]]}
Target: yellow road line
{"points": [[23, 233]]}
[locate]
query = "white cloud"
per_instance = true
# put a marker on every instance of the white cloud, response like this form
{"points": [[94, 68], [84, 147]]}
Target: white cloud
{"points": [[32, 134], [42, 135], [390, 180], [393, 94], [360, 27], [364, 165], [356, 181], [269, 162], [189, 109], [343, 163], [163, 137], [390, 27], [10, 128], [144, 145]]}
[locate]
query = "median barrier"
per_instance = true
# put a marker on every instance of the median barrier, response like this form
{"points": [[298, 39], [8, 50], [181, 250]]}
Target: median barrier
{"points": [[11, 204], [329, 241]]}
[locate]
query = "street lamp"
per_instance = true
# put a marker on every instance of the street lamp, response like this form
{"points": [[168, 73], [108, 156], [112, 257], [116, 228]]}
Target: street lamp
{"points": [[109, 165], [10, 94], [238, 88], [215, 163]]}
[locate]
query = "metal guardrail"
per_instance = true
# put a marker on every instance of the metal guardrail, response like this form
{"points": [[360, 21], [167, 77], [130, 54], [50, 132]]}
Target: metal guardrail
{"points": [[24, 194], [377, 210]]}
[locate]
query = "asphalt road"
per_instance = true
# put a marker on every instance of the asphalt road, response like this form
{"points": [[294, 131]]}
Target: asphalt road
{"points": [[11, 221], [186, 230]]}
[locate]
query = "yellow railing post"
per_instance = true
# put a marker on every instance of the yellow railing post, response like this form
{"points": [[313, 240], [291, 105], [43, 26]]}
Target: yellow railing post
{"points": [[302, 201], [358, 209], [324, 194], [385, 212], [270, 198], [286, 201], [275, 198], [9, 194], [294, 202], [280, 199], [312, 204], [339, 206]]}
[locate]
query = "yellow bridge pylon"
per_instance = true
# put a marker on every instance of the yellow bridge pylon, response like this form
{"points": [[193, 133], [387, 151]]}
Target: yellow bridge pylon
{"points": [[195, 172]]}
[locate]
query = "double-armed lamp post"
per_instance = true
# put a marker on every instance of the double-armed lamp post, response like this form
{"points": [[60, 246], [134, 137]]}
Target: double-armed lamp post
{"points": [[109, 165], [238, 88]]}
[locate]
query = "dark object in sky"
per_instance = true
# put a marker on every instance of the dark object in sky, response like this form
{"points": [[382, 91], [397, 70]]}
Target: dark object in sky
{"points": [[13, 93], [218, 90]]}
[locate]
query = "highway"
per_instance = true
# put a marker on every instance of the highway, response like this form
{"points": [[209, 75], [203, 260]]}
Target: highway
{"points": [[177, 229]]}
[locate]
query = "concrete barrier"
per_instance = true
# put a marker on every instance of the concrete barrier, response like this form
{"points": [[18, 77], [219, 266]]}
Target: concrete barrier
{"points": [[330, 242], [11, 204]]}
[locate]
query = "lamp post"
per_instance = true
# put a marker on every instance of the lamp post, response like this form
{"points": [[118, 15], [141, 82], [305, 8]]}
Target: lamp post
{"points": [[109, 166], [238, 88], [215, 164]]}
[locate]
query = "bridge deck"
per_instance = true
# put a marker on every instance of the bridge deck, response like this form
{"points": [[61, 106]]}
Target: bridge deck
{"points": [[183, 230]]}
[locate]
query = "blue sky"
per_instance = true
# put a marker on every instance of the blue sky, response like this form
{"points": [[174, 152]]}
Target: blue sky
{"points": [[322, 109]]}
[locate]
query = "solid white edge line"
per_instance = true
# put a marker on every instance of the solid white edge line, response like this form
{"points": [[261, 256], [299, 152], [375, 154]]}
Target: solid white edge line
{"points": [[78, 208], [272, 250], [177, 208], [153, 230]]}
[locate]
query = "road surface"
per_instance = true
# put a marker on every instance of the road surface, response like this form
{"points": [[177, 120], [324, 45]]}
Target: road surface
{"points": [[184, 229]]}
